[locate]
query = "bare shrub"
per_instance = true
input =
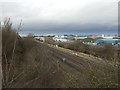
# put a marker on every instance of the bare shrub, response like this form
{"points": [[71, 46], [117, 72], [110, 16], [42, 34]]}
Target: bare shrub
{"points": [[25, 61], [108, 52]]}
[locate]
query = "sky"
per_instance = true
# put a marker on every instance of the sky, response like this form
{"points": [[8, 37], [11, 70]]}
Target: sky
{"points": [[62, 16]]}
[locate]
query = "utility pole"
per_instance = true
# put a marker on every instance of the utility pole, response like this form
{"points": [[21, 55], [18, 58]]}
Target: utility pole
{"points": [[58, 65]]}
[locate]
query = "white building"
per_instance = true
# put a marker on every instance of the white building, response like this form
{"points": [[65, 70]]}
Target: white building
{"points": [[107, 37], [76, 38], [60, 40]]}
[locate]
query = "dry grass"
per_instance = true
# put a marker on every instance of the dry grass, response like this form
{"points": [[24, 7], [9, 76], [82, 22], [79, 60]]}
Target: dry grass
{"points": [[25, 62], [28, 64]]}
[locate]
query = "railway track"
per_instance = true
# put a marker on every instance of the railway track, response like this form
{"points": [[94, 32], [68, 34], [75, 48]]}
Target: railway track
{"points": [[82, 64], [79, 63]]}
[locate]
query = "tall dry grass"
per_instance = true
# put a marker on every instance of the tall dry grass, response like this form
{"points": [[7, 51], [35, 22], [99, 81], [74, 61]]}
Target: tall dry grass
{"points": [[25, 62]]}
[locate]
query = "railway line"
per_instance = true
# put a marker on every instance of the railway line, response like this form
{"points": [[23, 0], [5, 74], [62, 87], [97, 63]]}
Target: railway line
{"points": [[79, 62]]}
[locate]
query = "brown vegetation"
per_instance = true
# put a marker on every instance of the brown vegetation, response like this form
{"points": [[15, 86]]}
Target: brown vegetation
{"points": [[28, 64], [25, 62], [108, 52]]}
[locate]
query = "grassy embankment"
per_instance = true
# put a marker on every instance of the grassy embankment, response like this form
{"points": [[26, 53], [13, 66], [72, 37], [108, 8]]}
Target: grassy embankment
{"points": [[26, 63], [106, 52]]}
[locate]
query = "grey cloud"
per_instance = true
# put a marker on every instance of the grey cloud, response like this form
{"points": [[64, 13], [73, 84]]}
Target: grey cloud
{"points": [[64, 15]]}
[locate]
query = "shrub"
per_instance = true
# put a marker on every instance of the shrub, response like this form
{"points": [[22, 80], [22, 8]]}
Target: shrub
{"points": [[108, 52], [25, 61]]}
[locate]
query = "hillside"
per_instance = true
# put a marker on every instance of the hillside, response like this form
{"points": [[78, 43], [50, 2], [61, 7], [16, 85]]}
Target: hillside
{"points": [[29, 64]]}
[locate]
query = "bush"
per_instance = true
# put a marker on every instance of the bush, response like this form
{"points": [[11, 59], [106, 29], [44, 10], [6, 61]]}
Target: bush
{"points": [[108, 52], [25, 61]]}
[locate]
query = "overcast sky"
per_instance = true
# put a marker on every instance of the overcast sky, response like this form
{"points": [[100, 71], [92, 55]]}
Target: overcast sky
{"points": [[62, 16]]}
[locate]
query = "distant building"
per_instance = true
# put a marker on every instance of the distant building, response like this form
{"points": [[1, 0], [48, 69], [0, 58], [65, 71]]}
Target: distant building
{"points": [[78, 37], [61, 40], [107, 37], [60, 36], [70, 38], [94, 37], [107, 41], [40, 38], [103, 35]]}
